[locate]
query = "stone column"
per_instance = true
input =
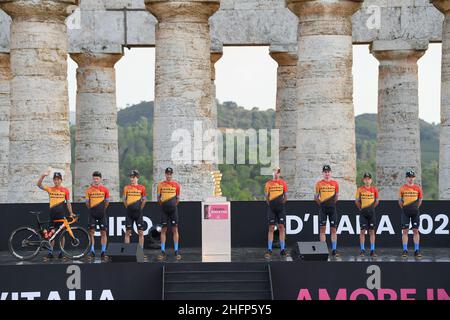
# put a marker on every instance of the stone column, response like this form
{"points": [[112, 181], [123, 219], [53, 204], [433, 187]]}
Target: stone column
{"points": [[444, 142], [5, 104], [286, 114], [97, 137], [39, 119], [326, 122], [183, 109], [215, 56], [398, 134]]}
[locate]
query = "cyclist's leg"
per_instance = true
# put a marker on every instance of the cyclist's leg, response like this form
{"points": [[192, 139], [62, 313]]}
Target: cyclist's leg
{"points": [[91, 228], [55, 225], [322, 224], [173, 216], [271, 222], [140, 228], [363, 226], [332, 216], [51, 227], [405, 219], [103, 224], [164, 222], [415, 221], [129, 227]]}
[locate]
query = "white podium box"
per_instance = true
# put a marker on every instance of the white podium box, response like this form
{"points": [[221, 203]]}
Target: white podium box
{"points": [[216, 230]]}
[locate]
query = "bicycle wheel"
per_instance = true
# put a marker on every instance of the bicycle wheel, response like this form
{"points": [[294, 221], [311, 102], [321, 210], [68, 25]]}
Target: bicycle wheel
{"points": [[24, 243], [76, 247]]}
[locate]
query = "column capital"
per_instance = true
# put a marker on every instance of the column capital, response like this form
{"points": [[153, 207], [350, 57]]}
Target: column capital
{"points": [[284, 54], [320, 7], [39, 10], [182, 10], [285, 58], [102, 60], [215, 56], [216, 49], [398, 49], [442, 5]]}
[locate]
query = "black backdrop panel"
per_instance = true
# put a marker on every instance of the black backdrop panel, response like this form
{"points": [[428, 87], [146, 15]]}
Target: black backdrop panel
{"points": [[360, 280], [249, 222], [108, 281], [290, 280]]}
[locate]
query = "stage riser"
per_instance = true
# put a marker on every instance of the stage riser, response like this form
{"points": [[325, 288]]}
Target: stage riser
{"points": [[203, 280], [218, 276], [216, 285], [220, 296], [216, 266]]}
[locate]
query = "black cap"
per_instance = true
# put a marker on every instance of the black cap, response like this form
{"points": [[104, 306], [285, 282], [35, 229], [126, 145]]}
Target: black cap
{"points": [[410, 174], [57, 175], [97, 174], [326, 168], [169, 170], [134, 173], [367, 175]]}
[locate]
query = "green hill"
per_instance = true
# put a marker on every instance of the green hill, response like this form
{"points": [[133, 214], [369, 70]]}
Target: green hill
{"points": [[131, 115], [243, 182]]}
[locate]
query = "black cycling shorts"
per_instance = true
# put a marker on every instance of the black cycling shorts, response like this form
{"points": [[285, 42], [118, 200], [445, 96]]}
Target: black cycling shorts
{"points": [[330, 213], [410, 215], [97, 218], [367, 219], [276, 212], [56, 216], [169, 214], [134, 216]]}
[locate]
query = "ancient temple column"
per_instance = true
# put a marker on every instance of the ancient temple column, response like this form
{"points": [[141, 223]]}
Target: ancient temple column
{"points": [[286, 113], [5, 104], [326, 124], [444, 142], [183, 108], [215, 56], [398, 134], [96, 137], [39, 119]]}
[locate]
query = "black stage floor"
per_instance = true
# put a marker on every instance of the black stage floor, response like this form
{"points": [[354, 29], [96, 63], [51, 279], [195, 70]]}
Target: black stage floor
{"points": [[348, 254]]}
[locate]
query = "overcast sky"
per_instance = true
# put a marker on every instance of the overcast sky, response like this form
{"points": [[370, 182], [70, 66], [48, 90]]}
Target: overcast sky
{"points": [[247, 75]]}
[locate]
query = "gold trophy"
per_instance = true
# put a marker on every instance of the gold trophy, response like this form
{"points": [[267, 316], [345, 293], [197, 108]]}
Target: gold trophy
{"points": [[217, 178], [216, 224]]}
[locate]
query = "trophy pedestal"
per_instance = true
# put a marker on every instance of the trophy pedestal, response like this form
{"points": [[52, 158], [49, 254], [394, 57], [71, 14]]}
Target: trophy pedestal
{"points": [[216, 230]]}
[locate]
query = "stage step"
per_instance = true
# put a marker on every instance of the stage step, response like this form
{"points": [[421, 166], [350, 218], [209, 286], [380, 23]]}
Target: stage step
{"points": [[217, 281]]}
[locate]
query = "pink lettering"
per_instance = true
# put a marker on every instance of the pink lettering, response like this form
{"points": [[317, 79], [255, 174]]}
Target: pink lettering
{"points": [[442, 294], [341, 294], [404, 294], [361, 292], [391, 294], [430, 294], [304, 294]]}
